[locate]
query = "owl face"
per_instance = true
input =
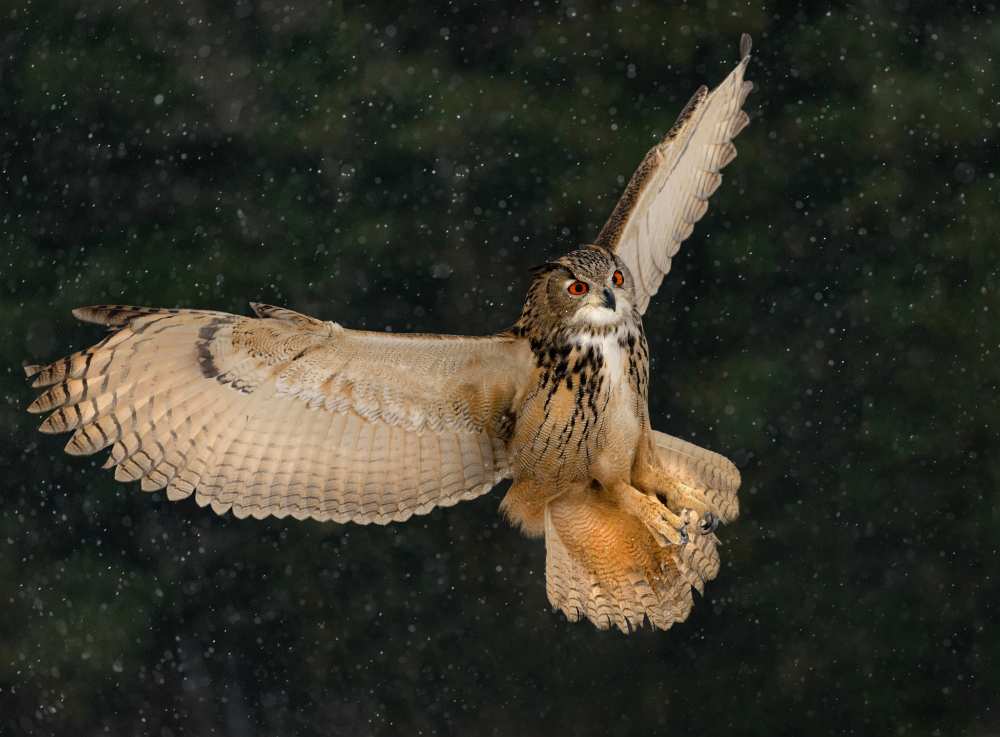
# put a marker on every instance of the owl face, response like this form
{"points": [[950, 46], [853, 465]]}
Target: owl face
{"points": [[588, 288]]}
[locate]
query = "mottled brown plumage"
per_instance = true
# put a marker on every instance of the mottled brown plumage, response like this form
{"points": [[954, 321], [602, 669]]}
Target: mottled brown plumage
{"points": [[283, 414]]}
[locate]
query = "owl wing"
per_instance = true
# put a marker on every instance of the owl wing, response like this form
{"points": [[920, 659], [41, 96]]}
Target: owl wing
{"points": [[284, 414], [710, 475], [669, 191], [602, 563]]}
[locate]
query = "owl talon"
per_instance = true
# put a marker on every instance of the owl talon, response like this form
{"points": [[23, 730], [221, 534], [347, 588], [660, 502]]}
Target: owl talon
{"points": [[665, 531], [666, 527], [667, 534], [677, 536], [709, 523]]}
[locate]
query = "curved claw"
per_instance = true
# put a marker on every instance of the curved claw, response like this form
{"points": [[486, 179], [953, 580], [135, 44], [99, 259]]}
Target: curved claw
{"points": [[709, 523]]}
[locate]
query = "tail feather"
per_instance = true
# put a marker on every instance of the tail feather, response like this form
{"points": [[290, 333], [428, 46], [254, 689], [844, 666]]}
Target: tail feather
{"points": [[603, 564], [698, 561]]}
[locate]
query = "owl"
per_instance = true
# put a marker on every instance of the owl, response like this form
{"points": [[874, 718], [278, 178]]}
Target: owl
{"points": [[282, 414]]}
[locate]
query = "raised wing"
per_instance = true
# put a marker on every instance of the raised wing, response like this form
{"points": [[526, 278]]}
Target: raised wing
{"points": [[286, 414], [669, 191]]}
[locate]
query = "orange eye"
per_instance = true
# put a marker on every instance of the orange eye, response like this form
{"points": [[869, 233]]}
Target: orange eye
{"points": [[618, 278], [578, 288]]}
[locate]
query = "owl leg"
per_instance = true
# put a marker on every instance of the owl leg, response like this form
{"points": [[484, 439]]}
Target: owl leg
{"points": [[666, 527], [685, 500]]}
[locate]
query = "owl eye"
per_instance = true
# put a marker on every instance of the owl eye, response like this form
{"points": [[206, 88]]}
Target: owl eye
{"points": [[577, 288], [618, 278]]}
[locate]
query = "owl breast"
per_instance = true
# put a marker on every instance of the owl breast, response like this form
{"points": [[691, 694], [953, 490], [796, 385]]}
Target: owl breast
{"points": [[587, 408]]}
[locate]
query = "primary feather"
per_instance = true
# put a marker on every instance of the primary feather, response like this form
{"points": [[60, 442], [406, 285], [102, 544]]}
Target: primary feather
{"points": [[669, 191]]}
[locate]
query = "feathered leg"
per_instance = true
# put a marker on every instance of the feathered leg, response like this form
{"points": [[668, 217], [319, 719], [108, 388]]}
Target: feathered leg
{"points": [[666, 527], [688, 502]]}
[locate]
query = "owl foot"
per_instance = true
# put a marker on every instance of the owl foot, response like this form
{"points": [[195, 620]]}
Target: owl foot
{"points": [[682, 500], [666, 527], [705, 522], [666, 535], [709, 523]]}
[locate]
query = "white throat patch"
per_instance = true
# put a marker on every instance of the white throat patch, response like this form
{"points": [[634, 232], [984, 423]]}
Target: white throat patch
{"points": [[614, 354], [596, 315]]}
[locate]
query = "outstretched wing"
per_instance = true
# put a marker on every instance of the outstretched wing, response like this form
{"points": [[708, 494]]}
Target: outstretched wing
{"points": [[286, 414], [669, 191], [602, 563], [712, 476]]}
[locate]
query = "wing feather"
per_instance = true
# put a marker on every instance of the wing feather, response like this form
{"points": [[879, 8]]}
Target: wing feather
{"points": [[284, 414], [669, 191], [711, 474]]}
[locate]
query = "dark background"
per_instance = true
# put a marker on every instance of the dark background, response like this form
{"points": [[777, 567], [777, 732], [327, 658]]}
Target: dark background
{"points": [[832, 326]]}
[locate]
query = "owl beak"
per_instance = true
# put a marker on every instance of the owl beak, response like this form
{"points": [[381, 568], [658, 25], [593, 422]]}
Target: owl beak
{"points": [[609, 299]]}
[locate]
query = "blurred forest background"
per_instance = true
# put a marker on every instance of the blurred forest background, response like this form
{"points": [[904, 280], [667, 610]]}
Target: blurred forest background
{"points": [[832, 326]]}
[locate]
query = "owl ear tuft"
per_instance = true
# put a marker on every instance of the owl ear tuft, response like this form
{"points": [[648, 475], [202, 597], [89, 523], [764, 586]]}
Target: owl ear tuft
{"points": [[547, 267], [595, 247]]}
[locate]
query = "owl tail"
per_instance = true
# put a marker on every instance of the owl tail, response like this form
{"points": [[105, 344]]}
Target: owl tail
{"points": [[602, 564]]}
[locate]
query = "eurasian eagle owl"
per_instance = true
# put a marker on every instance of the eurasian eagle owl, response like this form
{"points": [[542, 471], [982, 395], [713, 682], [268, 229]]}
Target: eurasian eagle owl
{"points": [[284, 414]]}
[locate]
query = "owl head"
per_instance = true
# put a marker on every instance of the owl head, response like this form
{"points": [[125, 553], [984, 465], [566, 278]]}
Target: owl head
{"points": [[587, 289]]}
